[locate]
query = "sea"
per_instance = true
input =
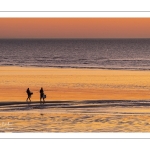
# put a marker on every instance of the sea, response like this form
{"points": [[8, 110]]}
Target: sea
{"points": [[76, 116], [76, 53]]}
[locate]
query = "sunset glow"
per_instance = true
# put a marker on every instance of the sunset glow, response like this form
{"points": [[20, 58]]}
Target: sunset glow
{"points": [[74, 28]]}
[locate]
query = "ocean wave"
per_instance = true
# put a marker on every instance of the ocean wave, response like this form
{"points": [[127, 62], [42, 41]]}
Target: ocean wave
{"points": [[114, 54]]}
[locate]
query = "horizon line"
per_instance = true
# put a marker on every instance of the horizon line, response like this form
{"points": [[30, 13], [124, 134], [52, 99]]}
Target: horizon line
{"points": [[76, 38]]}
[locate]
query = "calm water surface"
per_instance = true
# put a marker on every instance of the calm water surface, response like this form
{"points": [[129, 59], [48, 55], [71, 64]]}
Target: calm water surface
{"points": [[76, 53]]}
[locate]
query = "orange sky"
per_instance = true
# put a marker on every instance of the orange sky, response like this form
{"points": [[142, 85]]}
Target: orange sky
{"points": [[74, 27]]}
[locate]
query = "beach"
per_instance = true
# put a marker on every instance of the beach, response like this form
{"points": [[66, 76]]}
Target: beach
{"points": [[73, 84], [80, 100]]}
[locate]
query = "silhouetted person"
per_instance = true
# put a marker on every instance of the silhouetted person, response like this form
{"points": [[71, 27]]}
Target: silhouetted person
{"points": [[29, 93], [42, 96]]}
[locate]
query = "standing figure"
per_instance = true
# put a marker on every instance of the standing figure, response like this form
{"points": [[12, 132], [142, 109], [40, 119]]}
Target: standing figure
{"points": [[29, 93], [42, 94]]}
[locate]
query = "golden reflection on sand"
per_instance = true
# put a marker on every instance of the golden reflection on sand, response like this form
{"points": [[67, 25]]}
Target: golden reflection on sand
{"points": [[73, 84], [64, 122]]}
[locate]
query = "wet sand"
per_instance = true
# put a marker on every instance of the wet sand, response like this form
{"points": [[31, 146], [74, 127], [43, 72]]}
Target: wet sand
{"points": [[73, 84], [76, 116]]}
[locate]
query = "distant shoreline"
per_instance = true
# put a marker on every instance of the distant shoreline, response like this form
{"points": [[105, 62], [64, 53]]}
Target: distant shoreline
{"points": [[67, 67]]}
